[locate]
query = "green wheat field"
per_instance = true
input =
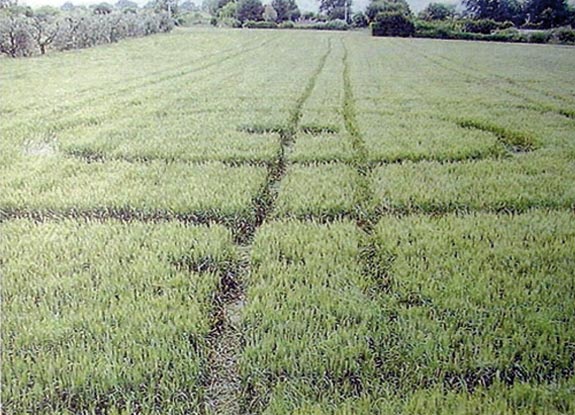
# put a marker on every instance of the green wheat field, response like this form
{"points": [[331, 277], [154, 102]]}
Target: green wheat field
{"points": [[288, 222]]}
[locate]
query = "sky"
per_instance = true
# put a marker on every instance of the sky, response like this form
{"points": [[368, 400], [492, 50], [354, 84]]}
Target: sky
{"points": [[304, 5]]}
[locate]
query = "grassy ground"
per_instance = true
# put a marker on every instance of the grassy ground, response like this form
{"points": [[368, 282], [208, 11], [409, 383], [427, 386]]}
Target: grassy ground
{"points": [[268, 222]]}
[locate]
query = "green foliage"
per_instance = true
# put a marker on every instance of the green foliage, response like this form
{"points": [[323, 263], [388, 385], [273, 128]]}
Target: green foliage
{"points": [[286, 25], [309, 328], [155, 188], [564, 35], [437, 11], [317, 191], [498, 10], [496, 185], [336, 9], [250, 24], [392, 24], [103, 8], [24, 32], [539, 37], [545, 14], [437, 29], [402, 212], [484, 26], [386, 6], [286, 10], [467, 291], [411, 137], [270, 14], [359, 20], [249, 10], [228, 11], [106, 316], [339, 25]]}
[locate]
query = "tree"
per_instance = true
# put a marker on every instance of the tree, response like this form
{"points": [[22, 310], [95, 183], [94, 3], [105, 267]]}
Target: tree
{"points": [[126, 4], [547, 13], [393, 23], [67, 7], [359, 20], [15, 37], [286, 10], [269, 14], [437, 11], [249, 10], [6, 4], [336, 9], [189, 6], [168, 6], [498, 10], [387, 6], [45, 27], [103, 8], [228, 11]]}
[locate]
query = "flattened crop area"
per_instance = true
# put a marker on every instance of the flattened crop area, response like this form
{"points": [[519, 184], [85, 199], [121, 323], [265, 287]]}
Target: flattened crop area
{"points": [[284, 222]]}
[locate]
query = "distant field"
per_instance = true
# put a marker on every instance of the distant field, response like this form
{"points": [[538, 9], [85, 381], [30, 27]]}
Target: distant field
{"points": [[288, 222]]}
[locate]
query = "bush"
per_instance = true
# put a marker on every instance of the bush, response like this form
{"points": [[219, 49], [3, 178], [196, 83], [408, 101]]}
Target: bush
{"points": [[250, 24], [436, 29], [287, 25], [564, 35], [437, 11], [336, 24], [392, 24], [386, 6], [484, 26], [330, 25], [539, 37]]}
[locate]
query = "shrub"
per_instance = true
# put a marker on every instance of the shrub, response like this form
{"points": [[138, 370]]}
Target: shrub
{"points": [[330, 25], [564, 35], [287, 25], [484, 26], [336, 24], [437, 11], [392, 24], [539, 37], [386, 6], [435, 29], [250, 24]]}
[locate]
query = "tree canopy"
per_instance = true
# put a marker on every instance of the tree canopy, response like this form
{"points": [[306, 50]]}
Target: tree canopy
{"points": [[249, 10], [437, 11], [387, 6], [336, 9], [286, 10]]}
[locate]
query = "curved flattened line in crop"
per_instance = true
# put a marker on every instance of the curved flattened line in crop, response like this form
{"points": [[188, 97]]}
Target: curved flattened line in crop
{"points": [[514, 141]]}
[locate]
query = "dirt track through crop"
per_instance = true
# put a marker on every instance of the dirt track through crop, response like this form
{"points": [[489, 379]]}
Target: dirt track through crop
{"points": [[224, 386]]}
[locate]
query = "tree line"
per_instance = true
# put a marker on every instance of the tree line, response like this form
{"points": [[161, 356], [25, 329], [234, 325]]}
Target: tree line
{"points": [[28, 32], [499, 20]]}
